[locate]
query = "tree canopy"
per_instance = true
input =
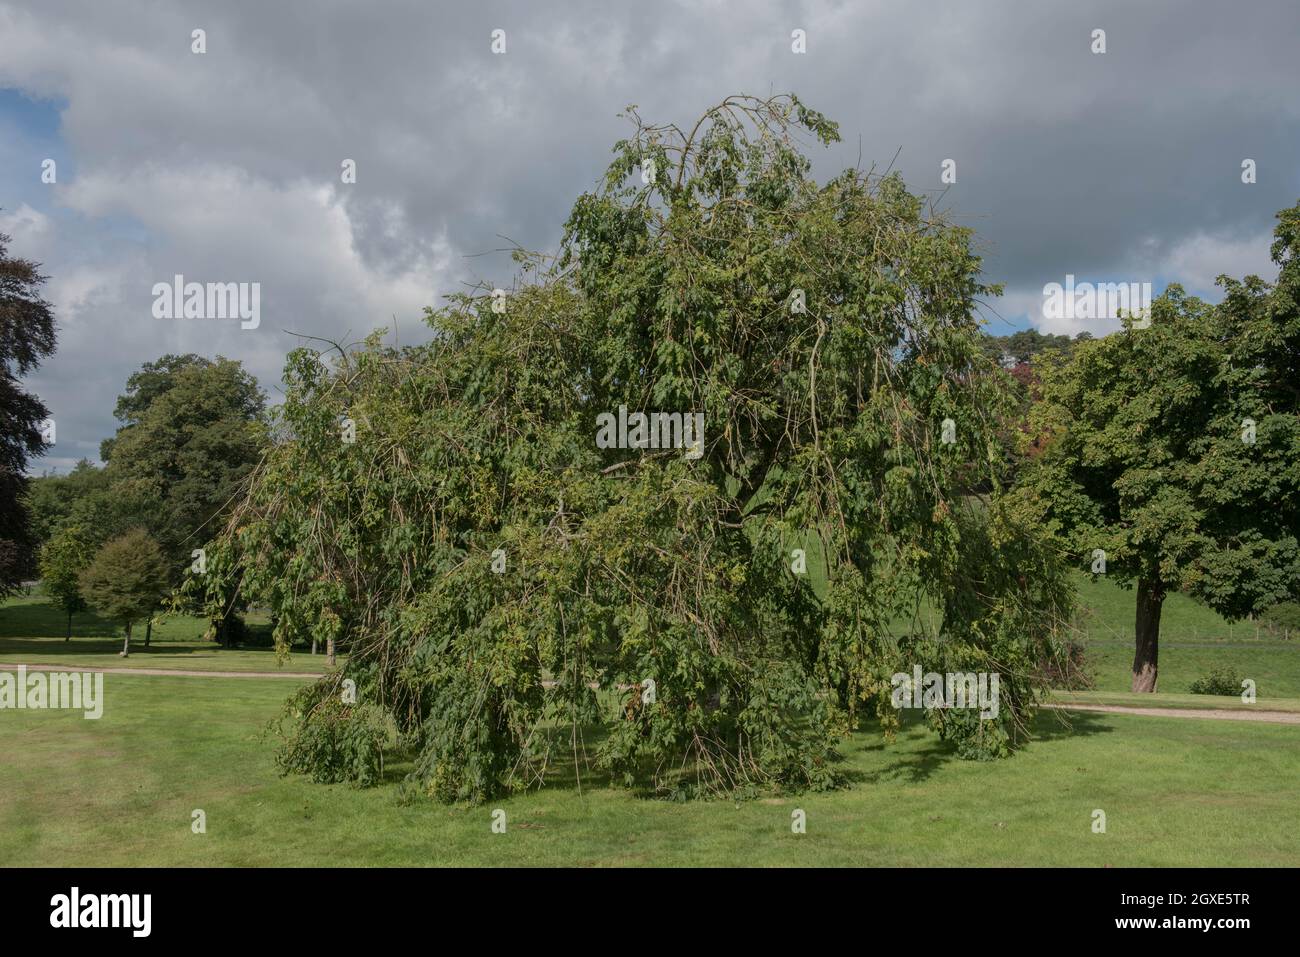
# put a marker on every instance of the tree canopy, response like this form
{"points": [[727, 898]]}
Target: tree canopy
{"points": [[193, 429], [126, 581], [507, 586], [51, 499]]}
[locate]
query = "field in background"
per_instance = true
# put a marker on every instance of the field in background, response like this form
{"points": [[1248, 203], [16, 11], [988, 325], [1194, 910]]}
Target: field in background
{"points": [[1193, 642]]}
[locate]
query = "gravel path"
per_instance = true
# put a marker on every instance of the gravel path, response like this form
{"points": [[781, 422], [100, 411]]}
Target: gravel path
{"points": [[1221, 714]]}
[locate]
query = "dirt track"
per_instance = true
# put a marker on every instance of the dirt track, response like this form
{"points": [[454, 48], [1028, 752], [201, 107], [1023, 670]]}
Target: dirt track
{"points": [[1221, 714]]}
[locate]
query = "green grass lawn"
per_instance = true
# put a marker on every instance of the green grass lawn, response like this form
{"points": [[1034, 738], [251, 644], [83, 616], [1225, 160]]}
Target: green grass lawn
{"points": [[120, 791], [32, 631]]}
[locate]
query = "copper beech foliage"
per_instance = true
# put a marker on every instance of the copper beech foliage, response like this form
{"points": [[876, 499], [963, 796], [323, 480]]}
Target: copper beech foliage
{"points": [[677, 288]]}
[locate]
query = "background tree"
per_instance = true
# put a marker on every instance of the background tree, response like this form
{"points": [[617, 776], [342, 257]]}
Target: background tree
{"points": [[1024, 344], [63, 558], [193, 429], [26, 337], [51, 498], [153, 380], [1175, 449], [126, 580]]}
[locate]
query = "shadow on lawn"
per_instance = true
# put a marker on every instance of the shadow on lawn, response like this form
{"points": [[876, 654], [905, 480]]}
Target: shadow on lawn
{"points": [[109, 646], [32, 616], [573, 772], [1055, 725], [918, 765]]}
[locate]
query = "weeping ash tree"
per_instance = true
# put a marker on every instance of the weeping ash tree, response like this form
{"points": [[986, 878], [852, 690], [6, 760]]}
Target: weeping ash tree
{"points": [[513, 592]]}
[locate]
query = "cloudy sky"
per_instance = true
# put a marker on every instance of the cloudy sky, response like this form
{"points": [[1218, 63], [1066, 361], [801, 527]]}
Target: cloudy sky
{"points": [[225, 166]]}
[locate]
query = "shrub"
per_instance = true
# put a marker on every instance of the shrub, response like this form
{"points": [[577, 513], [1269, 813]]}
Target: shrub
{"points": [[333, 741], [1220, 681]]}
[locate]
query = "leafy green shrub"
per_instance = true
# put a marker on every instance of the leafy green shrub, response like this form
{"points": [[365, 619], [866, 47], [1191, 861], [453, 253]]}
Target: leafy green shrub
{"points": [[333, 741], [1220, 681]]}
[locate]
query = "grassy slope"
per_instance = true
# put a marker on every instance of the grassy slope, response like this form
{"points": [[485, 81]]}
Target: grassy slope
{"points": [[1193, 642], [121, 790]]}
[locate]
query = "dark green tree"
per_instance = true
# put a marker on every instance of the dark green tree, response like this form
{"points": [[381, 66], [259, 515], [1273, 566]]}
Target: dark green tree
{"points": [[193, 429], [1173, 451], [26, 337], [63, 558], [52, 498]]}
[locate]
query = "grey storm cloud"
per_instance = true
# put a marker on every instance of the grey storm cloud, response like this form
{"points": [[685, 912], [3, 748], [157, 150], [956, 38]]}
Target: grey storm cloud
{"points": [[225, 166]]}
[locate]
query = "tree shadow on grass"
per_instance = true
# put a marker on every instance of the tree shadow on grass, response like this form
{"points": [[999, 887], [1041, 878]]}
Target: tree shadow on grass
{"points": [[913, 768], [1051, 724], [916, 766], [912, 765], [76, 648], [36, 617]]}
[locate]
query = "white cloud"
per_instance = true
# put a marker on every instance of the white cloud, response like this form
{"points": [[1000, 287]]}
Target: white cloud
{"points": [[31, 226], [1195, 262], [1200, 259]]}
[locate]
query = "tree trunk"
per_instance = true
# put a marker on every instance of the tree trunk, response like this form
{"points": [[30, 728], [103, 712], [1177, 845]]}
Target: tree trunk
{"points": [[69, 636], [126, 645], [329, 651], [1150, 600], [313, 644], [148, 630]]}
